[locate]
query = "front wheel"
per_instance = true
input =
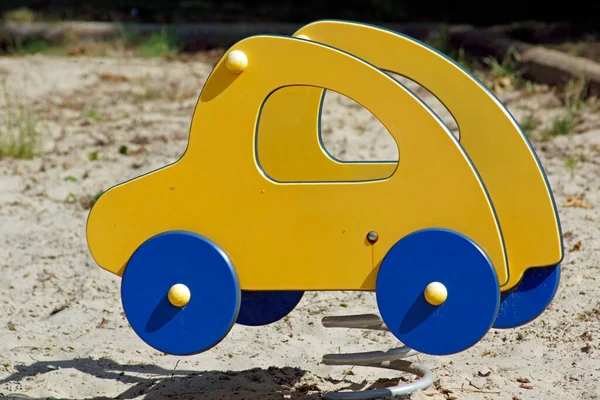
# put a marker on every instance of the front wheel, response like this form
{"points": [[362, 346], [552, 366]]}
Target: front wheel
{"points": [[437, 292], [180, 293]]}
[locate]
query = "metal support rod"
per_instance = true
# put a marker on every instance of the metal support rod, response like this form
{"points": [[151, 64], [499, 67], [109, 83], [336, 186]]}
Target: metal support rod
{"points": [[391, 359]]}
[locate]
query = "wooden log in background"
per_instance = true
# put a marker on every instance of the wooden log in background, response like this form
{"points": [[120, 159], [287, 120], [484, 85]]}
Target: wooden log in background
{"points": [[539, 64]]}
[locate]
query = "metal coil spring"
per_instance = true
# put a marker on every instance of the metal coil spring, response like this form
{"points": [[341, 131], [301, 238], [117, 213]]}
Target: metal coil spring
{"points": [[391, 359]]}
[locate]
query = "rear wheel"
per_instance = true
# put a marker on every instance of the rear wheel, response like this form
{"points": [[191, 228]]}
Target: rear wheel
{"points": [[180, 293], [437, 292], [529, 298]]}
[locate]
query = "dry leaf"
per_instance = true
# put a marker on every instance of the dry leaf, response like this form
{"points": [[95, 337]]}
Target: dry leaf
{"points": [[488, 352], [504, 82], [86, 201], [525, 386], [523, 380], [576, 201], [113, 78], [60, 308], [75, 51], [188, 94], [102, 322], [139, 150], [576, 246]]}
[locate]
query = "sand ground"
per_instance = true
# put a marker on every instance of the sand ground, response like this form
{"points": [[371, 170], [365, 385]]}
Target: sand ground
{"points": [[64, 336]]}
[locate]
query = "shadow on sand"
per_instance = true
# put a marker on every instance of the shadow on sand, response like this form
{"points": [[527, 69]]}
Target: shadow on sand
{"points": [[151, 382]]}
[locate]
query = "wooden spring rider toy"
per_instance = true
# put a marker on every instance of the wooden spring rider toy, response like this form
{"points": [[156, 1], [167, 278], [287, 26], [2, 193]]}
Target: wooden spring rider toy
{"points": [[455, 238]]}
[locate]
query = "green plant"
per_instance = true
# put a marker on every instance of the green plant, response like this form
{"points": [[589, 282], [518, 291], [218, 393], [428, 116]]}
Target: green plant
{"points": [[129, 37], [93, 113], [123, 150], [531, 87], [509, 64], [97, 196], [575, 93], [442, 43], [462, 59], [560, 126], [33, 46], [22, 14], [163, 44], [19, 135], [529, 123], [505, 72], [149, 90], [93, 155], [571, 163]]}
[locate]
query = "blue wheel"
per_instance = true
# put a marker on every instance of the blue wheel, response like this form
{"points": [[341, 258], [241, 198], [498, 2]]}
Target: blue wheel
{"points": [[265, 307], [437, 258], [207, 306], [529, 298]]}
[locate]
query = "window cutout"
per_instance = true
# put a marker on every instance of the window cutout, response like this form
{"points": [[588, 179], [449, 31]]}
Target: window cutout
{"points": [[305, 134], [432, 102], [291, 147], [351, 133]]}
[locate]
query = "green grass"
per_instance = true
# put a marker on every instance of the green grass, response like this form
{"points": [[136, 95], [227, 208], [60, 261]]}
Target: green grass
{"points": [[19, 134], [159, 44], [97, 196], [150, 90], [34, 46], [92, 113], [507, 69], [31, 46], [162, 44], [575, 94], [442, 44], [129, 37], [571, 163], [22, 14], [529, 123], [560, 126], [93, 155], [531, 87], [574, 100]]}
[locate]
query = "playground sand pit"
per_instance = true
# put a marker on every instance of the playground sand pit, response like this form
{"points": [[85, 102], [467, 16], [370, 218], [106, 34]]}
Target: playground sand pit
{"points": [[106, 120]]}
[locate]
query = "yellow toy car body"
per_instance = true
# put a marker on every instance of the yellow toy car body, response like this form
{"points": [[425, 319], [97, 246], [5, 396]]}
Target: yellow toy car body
{"points": [[212, 236]]}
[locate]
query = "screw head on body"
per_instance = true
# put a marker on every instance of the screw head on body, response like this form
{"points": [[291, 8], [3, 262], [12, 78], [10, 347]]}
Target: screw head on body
{"points": [[372, 237]]}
